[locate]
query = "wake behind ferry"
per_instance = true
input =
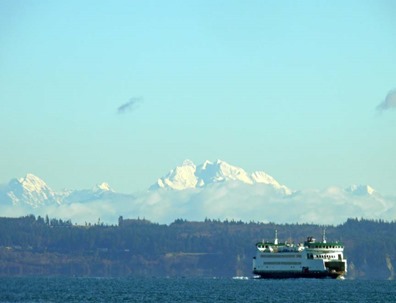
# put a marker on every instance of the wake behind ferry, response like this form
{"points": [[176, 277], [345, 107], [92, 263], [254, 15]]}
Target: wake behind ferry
{"points": [[312, 259]]}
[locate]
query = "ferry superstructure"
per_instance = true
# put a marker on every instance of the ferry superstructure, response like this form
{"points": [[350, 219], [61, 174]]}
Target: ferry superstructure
{"points": [[311, 259]]}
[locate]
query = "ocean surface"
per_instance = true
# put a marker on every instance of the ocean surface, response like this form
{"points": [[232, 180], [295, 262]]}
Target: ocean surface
{"points": [[60, 289]]}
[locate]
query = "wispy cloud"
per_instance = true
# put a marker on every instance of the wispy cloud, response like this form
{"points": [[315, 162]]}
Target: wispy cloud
{"points": [[389, 102], [131, 105]]}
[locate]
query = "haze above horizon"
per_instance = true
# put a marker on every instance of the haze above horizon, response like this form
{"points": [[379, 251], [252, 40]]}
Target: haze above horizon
{"points": [[124, 91]]}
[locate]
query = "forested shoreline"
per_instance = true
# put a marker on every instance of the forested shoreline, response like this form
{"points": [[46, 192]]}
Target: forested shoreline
{"points": [[212, 248]]}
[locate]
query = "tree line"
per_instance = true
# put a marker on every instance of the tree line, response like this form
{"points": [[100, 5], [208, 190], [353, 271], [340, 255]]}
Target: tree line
{"points": [[137, 247]]}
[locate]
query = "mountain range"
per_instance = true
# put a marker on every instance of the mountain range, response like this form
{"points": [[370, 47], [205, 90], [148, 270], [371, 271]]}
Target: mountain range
{"points": [[188, 175], [194, 192]]}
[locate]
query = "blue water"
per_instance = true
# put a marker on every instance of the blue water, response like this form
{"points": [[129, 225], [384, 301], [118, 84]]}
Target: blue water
{"points": [[193, 290]]}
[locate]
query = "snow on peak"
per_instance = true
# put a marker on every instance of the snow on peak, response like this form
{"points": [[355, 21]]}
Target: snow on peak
{"points": [[31, 190], [182, 177], [264, 178], [221, 171], [103, 187], [360, 190], [32, 183], [205, 164], [188, 162], [190, 176]]}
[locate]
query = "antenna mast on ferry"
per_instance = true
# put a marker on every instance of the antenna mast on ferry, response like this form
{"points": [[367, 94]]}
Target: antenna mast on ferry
{"points": [[324, 235]]}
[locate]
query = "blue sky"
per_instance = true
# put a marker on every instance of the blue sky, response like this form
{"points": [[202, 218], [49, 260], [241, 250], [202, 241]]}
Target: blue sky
{"points": [[291, 88]]}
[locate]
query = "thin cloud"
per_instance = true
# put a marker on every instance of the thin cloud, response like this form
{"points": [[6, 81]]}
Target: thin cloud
{"points": [[131, 105], [389, 102]]}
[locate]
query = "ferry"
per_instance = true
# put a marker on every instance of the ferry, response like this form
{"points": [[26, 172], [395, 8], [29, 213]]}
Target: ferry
{"points": [[311, 259]]}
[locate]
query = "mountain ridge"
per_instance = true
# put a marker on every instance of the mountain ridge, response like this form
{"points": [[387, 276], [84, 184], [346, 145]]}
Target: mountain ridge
{"points": [[33, 191], [194, 192], [189, 175]]}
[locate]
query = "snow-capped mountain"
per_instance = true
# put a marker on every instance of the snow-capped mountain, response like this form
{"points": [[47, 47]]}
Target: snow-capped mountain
{"points": [[182, 177], [217, 190], [102, 187], [360, 190], [34, 192], [100, 191], [188, 175], [31, 190]]}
